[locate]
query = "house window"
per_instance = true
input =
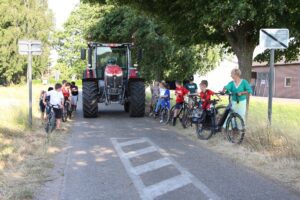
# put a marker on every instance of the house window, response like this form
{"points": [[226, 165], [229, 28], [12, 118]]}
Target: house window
{"points": [[287, 82]]}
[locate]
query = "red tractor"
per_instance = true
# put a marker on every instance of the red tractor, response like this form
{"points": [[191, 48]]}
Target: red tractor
{"points": [[110, 78]]}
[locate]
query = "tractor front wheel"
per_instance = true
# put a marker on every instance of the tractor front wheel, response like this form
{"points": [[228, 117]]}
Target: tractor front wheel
{"points": [[89, 99], [137, 99]]}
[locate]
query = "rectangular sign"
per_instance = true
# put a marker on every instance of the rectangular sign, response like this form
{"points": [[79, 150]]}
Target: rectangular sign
{"points": [[274, 38], [26, 46]]}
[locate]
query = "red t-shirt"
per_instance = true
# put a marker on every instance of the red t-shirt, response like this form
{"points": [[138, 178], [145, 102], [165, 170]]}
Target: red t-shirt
{"points": [[65, 91], [180, 93], [205, 98]]}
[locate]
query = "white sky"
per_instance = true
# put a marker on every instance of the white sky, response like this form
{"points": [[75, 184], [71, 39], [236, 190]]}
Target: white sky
{"points": [[62, 10]]}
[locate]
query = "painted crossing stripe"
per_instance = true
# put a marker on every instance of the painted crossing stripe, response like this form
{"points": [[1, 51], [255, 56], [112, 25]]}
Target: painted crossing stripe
{"points": [[151, 166], [140, 152], [165, 186], [131, 142]]}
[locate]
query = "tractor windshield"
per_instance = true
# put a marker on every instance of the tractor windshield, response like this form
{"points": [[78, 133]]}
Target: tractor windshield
{"points": [[107, 54]]}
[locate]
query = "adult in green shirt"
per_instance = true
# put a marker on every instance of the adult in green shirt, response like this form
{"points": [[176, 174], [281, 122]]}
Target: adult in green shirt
{"points": [[240, 88], [191, 86]]}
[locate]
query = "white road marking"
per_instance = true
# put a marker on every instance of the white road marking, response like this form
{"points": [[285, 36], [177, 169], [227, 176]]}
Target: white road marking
{"points": [[131, 142], [150, 166], [139, 152], [165, 186]]}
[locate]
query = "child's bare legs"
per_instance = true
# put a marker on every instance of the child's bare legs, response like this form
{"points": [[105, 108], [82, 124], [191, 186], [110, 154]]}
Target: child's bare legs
{"points": [[58, 123]]}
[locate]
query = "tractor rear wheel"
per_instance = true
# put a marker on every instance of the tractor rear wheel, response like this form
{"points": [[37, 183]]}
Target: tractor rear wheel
{"points": [[89, 99], [137, 99]]}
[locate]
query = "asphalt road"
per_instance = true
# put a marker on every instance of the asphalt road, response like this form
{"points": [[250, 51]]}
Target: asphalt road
{"points": [[116, 157]]}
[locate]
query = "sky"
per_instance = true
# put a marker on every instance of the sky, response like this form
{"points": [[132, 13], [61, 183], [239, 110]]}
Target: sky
{"points": [[62, 10]]}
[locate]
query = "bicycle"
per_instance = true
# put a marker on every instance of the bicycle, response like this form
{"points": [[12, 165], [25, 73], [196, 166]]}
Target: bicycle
{"points": [[67, 110], [216, 117], [51, 121], [186, 111], [163, 112]]}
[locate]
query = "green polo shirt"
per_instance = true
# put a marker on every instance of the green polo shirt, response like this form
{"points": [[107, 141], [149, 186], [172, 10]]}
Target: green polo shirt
{"points": [[243, 87], [192, 87]]}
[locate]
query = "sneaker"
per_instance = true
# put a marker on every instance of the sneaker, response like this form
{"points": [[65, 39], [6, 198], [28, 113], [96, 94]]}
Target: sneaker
{"points": [[161, 121]]}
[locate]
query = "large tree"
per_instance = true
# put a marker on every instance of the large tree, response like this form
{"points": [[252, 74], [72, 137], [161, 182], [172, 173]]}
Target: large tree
{"points": [[21, 19], [234, 23], [73, 37], [162, 57]]}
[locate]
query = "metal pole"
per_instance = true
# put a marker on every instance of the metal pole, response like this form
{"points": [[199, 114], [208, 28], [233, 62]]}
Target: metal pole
{"points": [[271, 80], [29, 74]]}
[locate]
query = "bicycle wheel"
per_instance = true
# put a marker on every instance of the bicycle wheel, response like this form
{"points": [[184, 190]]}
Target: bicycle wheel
{"points": [[52, 122], [165, 115], [171, 113], [204, 129], [64, 115], [186, 118], [220, 110], [70, 110], [235, 128]]}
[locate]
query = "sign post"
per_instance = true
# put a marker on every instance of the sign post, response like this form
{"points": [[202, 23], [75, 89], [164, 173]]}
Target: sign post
{"points": [[30, 48], [273, 39]]}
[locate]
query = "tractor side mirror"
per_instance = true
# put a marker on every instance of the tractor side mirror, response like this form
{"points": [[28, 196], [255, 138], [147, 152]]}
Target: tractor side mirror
{"points": [[83, 54]]}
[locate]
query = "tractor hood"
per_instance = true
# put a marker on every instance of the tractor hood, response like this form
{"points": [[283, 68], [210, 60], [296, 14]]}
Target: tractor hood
{"points": [[113, 70]]}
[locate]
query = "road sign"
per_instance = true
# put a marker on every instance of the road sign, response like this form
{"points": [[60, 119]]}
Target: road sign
{"points": [[26, 46], [30, 47], [274, 38]]}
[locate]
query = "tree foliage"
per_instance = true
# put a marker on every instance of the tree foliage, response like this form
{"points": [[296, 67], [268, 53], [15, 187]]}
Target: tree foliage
{"points": [[19, 19], [234, 23], [73, 37], [162, 57]]}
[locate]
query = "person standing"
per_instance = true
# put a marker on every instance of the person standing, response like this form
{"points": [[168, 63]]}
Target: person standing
{"points": [[74, 92], [240, 89], [191, 86], [154, 94], [57, 101]]}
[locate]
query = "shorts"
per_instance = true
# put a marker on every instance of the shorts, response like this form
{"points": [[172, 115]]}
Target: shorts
{"points": [[57, 112], [178, 105], [42, 106], [74, 100]]}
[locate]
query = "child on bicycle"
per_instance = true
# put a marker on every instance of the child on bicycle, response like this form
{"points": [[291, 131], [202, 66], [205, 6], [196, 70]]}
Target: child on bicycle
{"points": [[74, 92], [57, 101], [206, 94], [180, 92], [164, 97]]}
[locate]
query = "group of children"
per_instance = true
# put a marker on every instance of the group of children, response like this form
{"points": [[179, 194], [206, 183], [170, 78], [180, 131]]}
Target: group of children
{"points": [[160, 90], [56, 97]]}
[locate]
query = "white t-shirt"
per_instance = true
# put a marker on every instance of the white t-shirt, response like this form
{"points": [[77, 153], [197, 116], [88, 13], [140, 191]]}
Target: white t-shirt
{"points": [[162, 91], [55, 97]]}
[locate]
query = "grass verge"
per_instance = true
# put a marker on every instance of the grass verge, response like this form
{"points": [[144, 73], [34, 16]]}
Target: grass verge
{"points": [[25, 155]]}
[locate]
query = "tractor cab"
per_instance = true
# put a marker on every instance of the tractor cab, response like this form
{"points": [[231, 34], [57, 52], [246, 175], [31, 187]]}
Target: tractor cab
{"points": [[114, 78]]}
